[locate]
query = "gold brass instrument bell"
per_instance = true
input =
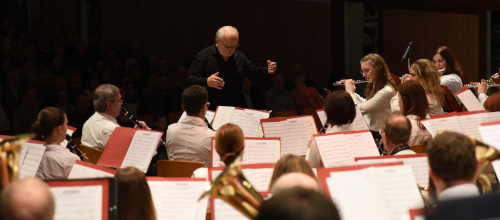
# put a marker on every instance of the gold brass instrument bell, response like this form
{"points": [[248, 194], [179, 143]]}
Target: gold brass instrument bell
{"points": [[232, 187], [485, 154], [9, 158]]}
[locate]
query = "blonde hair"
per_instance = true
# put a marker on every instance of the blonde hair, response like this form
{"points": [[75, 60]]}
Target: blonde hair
{"points": [[288, 164], [429, 76], [383, 77]]}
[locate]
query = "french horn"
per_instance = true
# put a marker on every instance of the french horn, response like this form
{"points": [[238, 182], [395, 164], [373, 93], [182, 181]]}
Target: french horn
{"points": [[9, 158], [485, 154], [232, 187]]}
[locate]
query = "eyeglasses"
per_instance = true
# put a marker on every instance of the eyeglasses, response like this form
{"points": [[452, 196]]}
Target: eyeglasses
{"points": [[120, 100], [229, 48], [208, 104], [380, 131]]}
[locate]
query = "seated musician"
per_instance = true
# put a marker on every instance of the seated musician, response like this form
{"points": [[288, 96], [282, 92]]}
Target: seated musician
{"points": [[107, 104], [291, 164], [395, 133], [295, 179], [57, 161], [453, 166], [340, 113], [190, 138]]}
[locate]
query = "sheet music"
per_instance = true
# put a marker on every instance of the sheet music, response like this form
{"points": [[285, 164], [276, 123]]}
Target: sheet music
{"points": [[496, 166], [359, 122], [491, 135], [261, 151], [469, 124], [333, 149], [223, 116], [469, 100], [264, 115], [362, 144], [179, 199], [296, 137], [65, 142], [273, 129], [439, 124], [491, 116], [209, 115], [311, 125], [83, 172], [32, 158], [78, 202], [141, 150], [224, 211], [322, 116], [259, 178], [357, 195], [248, 121]]}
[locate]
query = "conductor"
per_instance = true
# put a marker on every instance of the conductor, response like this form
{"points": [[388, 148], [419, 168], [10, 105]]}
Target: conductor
{"points": [[222, 69]]}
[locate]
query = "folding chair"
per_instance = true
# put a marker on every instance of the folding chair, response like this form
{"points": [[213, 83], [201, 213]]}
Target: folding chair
{"points": [[173, 168], [92, 153]]}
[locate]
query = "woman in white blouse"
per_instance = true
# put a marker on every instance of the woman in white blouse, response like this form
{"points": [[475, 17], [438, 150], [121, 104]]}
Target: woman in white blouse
{"points": [[448, 69], [57, 161], [379, 92], [425, 73], [414, 106]]}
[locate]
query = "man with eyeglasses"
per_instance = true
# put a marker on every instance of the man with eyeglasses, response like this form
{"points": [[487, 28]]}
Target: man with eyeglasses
{"points": [[222, 69], [107, 104]]}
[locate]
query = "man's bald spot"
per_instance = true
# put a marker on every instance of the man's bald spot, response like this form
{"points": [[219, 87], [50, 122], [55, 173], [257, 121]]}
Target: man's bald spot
{"points": [[295, 179], [228, 32], [29, 198]]}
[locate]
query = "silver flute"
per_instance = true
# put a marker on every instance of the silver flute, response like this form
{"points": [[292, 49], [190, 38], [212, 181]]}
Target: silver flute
{"points": [[341, 83]]}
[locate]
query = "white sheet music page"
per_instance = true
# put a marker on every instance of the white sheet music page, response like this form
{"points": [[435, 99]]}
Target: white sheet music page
{"points": [[210, 116], [357, 195], [400, 190], [141, 149], [361, 144], [259, 178], [469, 124], [264, 115], [439, 124], [83, 172], [248, 121], [496, 166], [32, 159], [179, 199], [224, 211], [65, 142], [333, 149], [296, 137], [322, 116], [490, 134], [78, 202], [273, 129], [261, 151], [222, 116], [491, 116], [469, 99], [311, 125], [359, 122]]}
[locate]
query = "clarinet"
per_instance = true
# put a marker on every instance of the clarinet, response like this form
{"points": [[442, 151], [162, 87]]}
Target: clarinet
{"points": [[323, 129], [73, 148], [132, 119], [208, 124]]}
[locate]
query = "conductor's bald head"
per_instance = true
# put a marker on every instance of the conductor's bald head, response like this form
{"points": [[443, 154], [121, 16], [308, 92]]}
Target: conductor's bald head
{"points": [[226, 40], [26, 199]]}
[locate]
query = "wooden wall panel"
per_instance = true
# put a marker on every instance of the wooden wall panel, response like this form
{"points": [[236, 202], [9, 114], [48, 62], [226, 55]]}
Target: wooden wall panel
{"points": [[429, 30], [286, 32]]}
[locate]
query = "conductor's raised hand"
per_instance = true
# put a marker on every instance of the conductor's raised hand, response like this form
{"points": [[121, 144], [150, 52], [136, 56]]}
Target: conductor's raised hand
{"points": [[271, 67], [349, 86], [214, 81]]}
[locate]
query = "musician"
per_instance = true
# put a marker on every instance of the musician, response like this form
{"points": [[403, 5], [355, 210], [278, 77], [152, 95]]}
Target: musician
{"points": [[424, 72], [379, 91], [222, 68], [190, 138], [290, 164], [27, 199], [481, 91], [340, 113], [414, 105], [299, 204], [453, 166], [107, 104], [395, 133], [57, 161], [444, 59], [134, 196]]}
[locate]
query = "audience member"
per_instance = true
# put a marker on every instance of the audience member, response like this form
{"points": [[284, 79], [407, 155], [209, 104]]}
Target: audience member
{"points": [[27, 199], [165, 98], [26, 113], [288, 164], [63, 101], [134, 196], [395, 133], [278, 99], [82, 113], [251, 97], [190, 138], [107, 104], [299, 98], [57, 161], [298, 204], [340, 113], [453, 166]]}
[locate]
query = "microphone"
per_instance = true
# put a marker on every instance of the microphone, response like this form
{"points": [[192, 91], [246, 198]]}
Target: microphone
{"points": [[407, 51]]}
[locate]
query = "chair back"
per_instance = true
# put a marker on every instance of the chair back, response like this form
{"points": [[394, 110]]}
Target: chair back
{"points": [[92, 153], [419, 148], [450, 103], [148, 119], [173, 117], [173, 168]]}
